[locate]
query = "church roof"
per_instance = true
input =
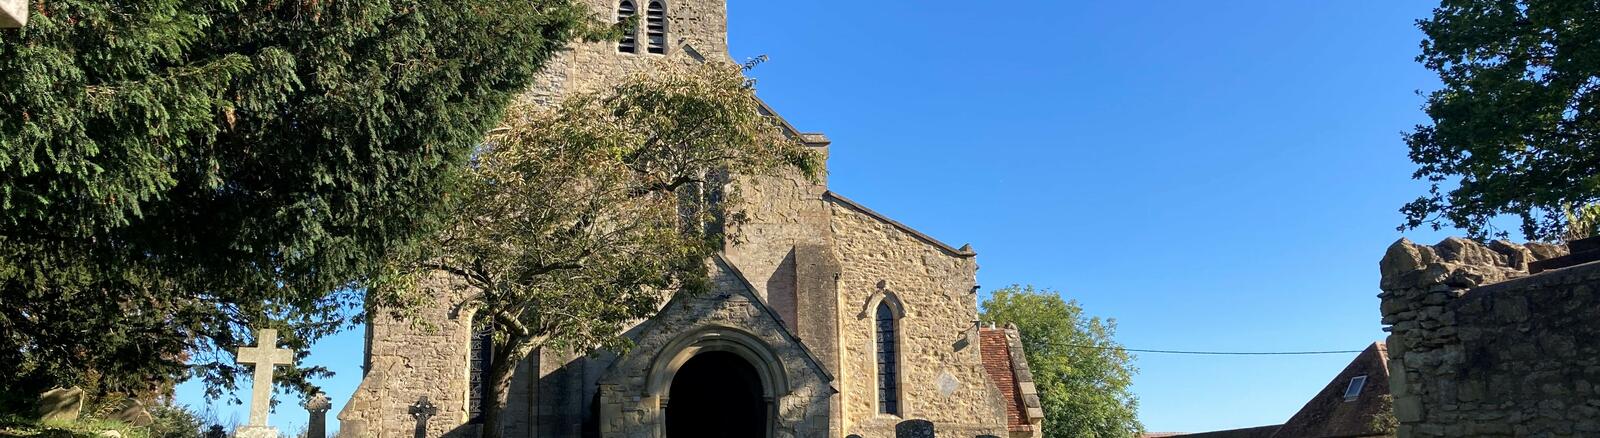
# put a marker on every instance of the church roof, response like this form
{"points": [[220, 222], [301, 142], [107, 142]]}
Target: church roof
{"points": [[963, 252], [1004, 363]]}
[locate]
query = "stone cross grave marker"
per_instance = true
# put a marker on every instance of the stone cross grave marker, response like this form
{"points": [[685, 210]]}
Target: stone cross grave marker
{"points": [[422, 410], [264, 356], [318, 406]]}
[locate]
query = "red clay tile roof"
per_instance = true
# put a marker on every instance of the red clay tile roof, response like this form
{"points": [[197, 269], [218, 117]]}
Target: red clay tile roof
{"points": [[997, 362]]}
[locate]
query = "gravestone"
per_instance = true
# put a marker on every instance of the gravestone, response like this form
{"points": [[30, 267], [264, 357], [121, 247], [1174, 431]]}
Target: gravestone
{"points": [[62, 404], [133, 412], [264, 356], [318, 406], [914, 429], [421, 411]]}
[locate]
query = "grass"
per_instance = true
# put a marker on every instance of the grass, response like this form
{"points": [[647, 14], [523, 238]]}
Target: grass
{"points": [[12, 426]]}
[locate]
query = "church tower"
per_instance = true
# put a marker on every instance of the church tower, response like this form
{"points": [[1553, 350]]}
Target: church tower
{"points": [[783, 244], [825, 319], [666, 31]]}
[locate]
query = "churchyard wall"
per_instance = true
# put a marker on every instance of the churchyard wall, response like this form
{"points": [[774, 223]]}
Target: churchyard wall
{"points": [[1480, 347]]}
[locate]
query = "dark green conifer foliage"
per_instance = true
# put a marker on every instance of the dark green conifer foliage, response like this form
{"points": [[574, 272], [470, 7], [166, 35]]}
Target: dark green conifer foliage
{"points": [[172, 171]]}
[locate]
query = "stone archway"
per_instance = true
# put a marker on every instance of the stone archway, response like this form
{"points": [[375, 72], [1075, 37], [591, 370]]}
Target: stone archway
{"points": [[718, 373], [794, 389], [716, 395]]}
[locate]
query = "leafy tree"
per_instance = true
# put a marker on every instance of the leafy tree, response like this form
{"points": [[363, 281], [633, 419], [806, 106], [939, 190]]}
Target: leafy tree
{"points": [[1517, 123], [1583, 223], [174, 171], [1081, 372], [576, 219]]}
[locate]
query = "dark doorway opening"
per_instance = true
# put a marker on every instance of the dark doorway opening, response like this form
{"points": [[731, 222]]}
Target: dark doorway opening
{"points": [[716, 395]]}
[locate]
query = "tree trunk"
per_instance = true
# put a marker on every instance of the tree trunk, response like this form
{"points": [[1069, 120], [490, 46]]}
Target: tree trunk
{"points": [[501, 370]]}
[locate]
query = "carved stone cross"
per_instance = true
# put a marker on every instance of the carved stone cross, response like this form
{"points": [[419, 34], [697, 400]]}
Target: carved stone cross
{"points": [[318, 406], [422, 410], [265, 356]]}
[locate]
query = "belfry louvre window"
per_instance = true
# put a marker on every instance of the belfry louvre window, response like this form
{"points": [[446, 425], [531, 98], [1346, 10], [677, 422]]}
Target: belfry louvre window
{"points": [[630, 41], [888, 363], [656, 27], [478, 368]]}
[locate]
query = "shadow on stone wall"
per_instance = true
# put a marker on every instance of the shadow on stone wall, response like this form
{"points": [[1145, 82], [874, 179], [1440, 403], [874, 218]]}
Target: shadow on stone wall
{"points": [[1480, 347]]}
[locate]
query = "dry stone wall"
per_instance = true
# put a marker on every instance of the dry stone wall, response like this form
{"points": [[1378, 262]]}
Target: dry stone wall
{"points": [[1480, 348]]}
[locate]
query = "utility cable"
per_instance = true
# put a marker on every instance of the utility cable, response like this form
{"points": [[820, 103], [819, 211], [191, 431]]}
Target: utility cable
{"points": [[1216, 353]]}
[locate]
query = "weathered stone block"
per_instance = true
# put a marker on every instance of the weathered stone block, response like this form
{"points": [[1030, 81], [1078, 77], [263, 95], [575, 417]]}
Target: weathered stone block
{"points": [[13, 13], [62, 404]]}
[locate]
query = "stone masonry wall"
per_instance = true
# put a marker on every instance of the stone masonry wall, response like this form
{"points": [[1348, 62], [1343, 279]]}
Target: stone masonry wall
{"points": [[587, 66], [633, 388], [427, 356], [942, 375], [1480, 348]]}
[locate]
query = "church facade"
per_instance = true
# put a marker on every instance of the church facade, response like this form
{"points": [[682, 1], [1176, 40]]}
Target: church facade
{"points": [[826, 319]]}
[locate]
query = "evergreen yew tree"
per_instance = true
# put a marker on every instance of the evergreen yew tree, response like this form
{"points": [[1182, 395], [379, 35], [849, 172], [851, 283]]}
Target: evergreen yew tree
{"points": [[174, 171], [1516, 127]]}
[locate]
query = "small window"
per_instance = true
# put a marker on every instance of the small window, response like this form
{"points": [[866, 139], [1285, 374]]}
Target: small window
{"points": [[1354, 390], [888, 362], [656, 27], [630, 41]]}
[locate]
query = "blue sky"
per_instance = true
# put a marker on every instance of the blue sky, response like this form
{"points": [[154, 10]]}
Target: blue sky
{"points": [[1214, 175]]}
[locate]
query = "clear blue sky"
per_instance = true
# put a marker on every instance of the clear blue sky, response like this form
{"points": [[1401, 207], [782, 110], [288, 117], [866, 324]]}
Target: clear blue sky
{"points": [[1213, 175]]}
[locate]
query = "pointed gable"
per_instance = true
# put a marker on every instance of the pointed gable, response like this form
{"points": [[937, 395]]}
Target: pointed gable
{"points": [[1006, 366], [1340, 410]]}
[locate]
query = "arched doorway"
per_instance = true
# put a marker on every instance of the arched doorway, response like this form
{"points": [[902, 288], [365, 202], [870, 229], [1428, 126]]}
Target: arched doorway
{"points": [[717, 394]]}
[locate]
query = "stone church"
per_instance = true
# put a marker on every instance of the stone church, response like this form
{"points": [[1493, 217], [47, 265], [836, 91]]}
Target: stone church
{"points": [[826, 320]]}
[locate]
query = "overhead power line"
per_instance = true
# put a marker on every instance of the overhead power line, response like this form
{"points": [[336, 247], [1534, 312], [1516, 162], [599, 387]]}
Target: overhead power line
{"points": [[1217, 353]]}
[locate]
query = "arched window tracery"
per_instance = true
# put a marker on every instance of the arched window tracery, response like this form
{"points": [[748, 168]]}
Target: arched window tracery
{"points": [[888, 360]]}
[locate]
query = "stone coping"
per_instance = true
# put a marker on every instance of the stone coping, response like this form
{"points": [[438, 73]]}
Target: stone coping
{"points": [[964, 252]]}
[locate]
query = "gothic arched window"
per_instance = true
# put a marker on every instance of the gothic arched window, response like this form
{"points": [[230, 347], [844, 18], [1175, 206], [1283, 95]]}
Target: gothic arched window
{"points": [[656, 26], [625, 11], [479, 363], [888, 362]]}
